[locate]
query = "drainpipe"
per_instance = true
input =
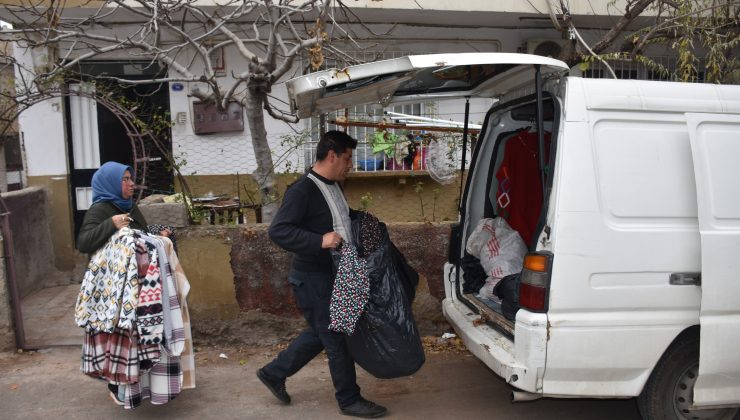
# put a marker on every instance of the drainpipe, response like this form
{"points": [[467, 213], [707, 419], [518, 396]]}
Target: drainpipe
{"points": [[15, 300]]}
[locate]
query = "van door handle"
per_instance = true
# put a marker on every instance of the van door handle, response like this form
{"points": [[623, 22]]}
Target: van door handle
{"points": [[685, 279]]}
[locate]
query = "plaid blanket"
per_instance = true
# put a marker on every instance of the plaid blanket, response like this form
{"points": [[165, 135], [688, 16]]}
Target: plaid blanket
{"points": [[111, 356], [187, 357], [161, 384]]}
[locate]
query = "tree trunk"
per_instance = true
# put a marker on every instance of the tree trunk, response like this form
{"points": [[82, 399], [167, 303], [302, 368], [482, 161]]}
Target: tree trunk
{"points": [[264, 176]]}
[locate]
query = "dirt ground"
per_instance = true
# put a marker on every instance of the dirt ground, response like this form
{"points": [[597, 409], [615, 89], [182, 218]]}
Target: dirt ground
{"points": [[47, 384]]}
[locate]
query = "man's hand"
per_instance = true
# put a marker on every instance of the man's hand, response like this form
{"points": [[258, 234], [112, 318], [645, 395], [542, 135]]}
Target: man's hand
{"points": [[331, 240]]}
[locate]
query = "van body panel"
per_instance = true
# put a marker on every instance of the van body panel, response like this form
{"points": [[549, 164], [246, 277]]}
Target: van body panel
{"points": [[597, 361], [624, 220], [530, 348], [716, 146]]}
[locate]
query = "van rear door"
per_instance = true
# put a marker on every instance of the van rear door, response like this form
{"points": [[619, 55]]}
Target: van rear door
{"points": [[715, 146], [416, 78]]}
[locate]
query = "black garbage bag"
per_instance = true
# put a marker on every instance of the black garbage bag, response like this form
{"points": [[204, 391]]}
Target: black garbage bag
{"points": [[474, 275], [407, 275], [507, 289], [386, 342]]}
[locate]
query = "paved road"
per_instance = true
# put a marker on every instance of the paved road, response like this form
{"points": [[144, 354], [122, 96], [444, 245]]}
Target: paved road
{"points": [[48, 385]]}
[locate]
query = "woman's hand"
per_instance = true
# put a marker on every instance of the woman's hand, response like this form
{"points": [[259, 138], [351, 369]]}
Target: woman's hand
{"points": [[121, 221]]}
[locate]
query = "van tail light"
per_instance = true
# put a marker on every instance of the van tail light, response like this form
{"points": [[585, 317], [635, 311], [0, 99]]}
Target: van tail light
{"points": [[535, 281]]}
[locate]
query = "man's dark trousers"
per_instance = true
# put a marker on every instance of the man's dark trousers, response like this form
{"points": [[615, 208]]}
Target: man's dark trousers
{"points": [[313, 294]]}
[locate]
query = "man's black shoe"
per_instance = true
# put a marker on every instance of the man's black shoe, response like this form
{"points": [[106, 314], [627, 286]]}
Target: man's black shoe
{"points": [[276, 387], [365, 409]]}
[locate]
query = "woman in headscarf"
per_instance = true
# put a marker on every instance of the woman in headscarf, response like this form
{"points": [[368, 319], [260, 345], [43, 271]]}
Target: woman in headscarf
{"points": [[112, 209]]}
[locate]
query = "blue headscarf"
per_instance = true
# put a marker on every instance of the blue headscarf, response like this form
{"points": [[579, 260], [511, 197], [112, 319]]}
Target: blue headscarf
{"points": [[106, 185]]}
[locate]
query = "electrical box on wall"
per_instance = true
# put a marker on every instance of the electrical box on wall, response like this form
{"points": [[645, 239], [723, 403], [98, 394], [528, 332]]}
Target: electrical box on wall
{"points": [[207, 118]]}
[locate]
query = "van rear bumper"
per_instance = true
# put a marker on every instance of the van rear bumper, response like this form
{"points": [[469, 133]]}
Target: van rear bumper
{"points": [[522, 365]]}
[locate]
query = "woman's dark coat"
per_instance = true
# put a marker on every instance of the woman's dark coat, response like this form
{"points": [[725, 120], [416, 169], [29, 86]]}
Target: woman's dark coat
{"points": [[98, 227]]}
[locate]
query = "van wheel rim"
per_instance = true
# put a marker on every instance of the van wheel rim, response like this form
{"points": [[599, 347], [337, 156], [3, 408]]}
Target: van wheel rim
{"points": [[684, 397]]}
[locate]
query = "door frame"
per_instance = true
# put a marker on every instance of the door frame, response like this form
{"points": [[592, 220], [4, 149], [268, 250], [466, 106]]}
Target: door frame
{"points": [[715, 144]]}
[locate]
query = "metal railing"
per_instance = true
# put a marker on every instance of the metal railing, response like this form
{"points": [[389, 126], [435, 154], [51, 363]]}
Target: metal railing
{"points": [[629, 69]]}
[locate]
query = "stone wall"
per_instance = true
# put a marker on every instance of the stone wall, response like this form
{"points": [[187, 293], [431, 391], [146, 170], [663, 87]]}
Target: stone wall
{"points": [[239, 290]]}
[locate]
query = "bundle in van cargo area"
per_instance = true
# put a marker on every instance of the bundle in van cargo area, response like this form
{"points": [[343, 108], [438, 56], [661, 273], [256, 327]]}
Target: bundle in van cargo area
{"points": [[500, 250]]}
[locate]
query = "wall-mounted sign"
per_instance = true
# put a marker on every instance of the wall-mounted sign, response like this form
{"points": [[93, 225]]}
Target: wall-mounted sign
{"points": [[207, 118], [177, 87]]}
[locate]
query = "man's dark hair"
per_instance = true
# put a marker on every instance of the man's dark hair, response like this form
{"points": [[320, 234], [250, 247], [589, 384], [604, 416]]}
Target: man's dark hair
{"points": [[334, 140]]}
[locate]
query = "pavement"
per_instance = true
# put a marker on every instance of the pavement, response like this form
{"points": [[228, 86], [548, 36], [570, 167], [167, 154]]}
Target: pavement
{"points": [[47, 384]]}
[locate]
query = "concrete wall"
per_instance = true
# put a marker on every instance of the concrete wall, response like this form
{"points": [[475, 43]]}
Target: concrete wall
{"points": [[59, 219], [239, 290], [32, 247], [7, 336], [394, 198]]}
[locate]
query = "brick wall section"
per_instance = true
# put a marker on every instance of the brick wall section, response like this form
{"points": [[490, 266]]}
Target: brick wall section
{"points": [[251, 276]]}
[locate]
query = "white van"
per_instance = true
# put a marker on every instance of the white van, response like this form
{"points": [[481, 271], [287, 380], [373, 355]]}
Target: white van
{"points": [[630, 212]]}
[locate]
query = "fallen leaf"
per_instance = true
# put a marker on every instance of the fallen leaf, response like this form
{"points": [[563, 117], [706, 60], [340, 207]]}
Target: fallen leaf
{"points": [[13, 386]]}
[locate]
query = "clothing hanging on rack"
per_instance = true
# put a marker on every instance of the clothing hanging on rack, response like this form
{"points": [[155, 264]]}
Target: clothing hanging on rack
{"points": [[519, 198], [149, 354]]}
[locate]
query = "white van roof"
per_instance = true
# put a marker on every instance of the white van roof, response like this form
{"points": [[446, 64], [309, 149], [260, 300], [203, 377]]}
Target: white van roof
{"points": [[625, 95], [416, 77]]}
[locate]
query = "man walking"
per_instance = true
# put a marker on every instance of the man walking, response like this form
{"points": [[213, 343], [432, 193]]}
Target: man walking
{"points": [[304, 226]]}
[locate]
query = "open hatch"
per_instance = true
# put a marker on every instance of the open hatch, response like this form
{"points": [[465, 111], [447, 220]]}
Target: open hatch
{"points": [[514, 151]]}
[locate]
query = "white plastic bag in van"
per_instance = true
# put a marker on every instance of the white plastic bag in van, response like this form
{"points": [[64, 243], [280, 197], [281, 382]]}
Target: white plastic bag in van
{"points": [[499, 248]]}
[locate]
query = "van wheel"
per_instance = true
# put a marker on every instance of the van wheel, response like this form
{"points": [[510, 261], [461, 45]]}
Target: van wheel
{"points": [[669, 392]]}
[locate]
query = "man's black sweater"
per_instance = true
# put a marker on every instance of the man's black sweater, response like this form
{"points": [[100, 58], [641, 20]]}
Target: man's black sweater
{"points": [[300, 223]]}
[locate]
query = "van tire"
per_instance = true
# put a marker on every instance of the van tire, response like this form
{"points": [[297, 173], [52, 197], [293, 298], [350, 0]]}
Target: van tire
{"points": [[670, 390]]}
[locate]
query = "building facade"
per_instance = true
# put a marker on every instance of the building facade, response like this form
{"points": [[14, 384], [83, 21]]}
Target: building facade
{"points": [[66, 139]]}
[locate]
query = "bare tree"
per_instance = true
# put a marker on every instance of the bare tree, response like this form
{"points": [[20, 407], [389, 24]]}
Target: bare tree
{"points": [[694, 30], [271, 36]]}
